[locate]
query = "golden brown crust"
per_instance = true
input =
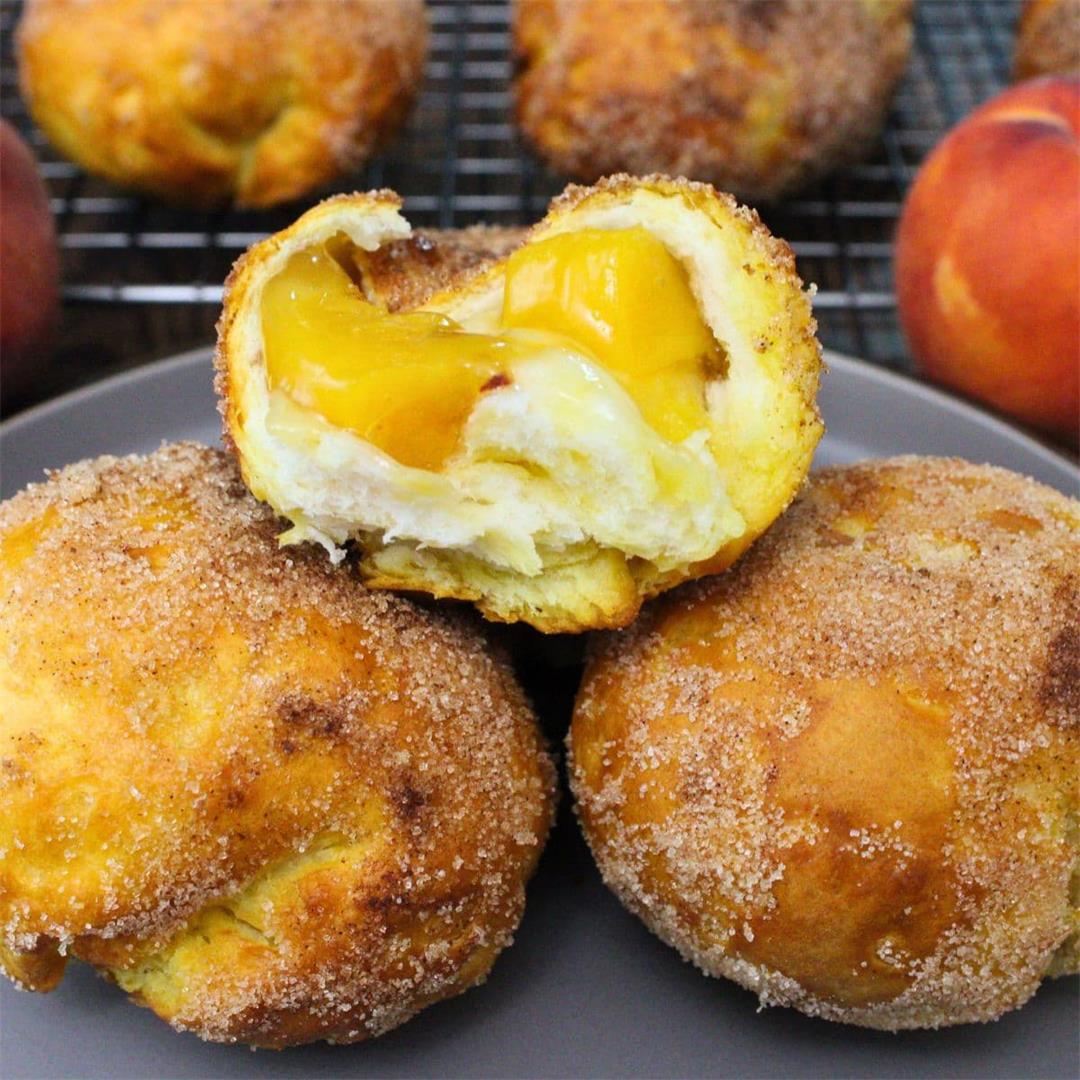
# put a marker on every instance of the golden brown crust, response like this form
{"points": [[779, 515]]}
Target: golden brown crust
{"points": [[755, 98], [272, 805], [1048, 39], [844, 773], [247, 101]]}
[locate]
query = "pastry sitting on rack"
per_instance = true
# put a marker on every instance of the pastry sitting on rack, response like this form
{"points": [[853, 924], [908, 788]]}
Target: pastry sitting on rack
{"points": [[624, 402], [252, 102], [1048, 39], [756, 97]]}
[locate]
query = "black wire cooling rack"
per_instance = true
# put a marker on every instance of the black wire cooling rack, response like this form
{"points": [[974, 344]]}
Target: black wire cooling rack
{"points": [[142, 280]]}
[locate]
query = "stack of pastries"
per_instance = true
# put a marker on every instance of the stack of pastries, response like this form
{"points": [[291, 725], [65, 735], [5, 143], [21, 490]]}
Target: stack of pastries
{"points": [[277, 801]]}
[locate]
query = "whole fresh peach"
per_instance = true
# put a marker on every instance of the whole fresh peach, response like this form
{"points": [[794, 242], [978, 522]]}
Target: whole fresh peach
{"points": [[988, 257], [29, 268]]}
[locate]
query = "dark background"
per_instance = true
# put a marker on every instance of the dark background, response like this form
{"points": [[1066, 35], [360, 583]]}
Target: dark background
{"points": [[143, 280]]}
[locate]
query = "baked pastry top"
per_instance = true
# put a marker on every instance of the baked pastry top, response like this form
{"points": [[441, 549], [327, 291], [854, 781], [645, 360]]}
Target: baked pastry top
{"points": [[844, 773], [272, 805], [252, 102], [756, 98], [1048, 39]]}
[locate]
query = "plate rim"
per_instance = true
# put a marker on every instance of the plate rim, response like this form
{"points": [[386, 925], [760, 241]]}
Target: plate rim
{"points": [[833, 361], [100, 387]]}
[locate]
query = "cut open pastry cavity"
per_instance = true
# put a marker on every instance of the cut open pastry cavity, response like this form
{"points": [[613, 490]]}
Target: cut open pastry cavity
{"points": [[624, 402]]}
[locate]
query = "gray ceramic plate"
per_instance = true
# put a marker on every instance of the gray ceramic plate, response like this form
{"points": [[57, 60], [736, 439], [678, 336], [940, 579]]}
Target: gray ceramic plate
{"points": [[586, 991]]}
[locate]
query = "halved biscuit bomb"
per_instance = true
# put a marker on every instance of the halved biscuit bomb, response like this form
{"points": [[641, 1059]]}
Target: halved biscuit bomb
{"points": [[624, 402]]}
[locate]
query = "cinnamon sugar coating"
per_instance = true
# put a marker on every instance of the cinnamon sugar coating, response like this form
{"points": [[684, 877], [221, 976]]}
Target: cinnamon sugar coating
{"points": [[844, 773], [272, 805], [757, 98], [1047, 39]]}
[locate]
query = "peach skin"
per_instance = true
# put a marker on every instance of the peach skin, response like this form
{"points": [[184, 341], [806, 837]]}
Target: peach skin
{"points": [[29, 268], [988, 257]]}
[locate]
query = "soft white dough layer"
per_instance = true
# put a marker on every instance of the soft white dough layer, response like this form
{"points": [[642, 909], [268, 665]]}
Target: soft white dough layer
{"points": [[560, 456]]}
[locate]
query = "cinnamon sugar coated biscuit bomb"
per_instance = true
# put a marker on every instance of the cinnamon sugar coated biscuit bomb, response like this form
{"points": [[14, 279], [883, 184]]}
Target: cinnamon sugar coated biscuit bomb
{"points": [[271, 805], [622, 402], [756, 96], [1048, 39], [252, 102], [844, 774]]}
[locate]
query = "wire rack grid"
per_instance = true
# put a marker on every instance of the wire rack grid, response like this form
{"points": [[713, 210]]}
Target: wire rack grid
{"points": [[142, 279]]}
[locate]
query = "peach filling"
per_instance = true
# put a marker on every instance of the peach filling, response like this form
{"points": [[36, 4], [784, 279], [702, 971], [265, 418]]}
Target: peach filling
{"points": [[407, 382]]}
